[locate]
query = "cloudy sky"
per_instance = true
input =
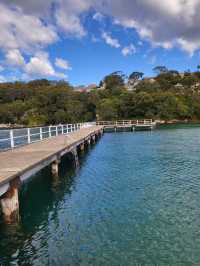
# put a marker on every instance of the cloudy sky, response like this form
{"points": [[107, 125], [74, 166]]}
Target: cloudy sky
{"points": [[83, 40]]}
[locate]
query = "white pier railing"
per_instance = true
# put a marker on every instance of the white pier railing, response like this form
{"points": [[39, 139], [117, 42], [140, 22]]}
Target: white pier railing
{"points": [[126, 122], [12, 138]]}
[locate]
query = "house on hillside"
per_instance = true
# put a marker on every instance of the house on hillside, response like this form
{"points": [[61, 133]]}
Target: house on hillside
{"points": [[83, 88]]}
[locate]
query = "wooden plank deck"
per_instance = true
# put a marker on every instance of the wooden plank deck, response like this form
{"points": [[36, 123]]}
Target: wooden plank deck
{"points": [[16, 162]]}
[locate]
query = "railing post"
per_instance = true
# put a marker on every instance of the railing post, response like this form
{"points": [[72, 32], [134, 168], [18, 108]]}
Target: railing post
{"points": [[12, 144], [62, 129], [40, 133], [49, 131], [28, 135], [56, 130]]}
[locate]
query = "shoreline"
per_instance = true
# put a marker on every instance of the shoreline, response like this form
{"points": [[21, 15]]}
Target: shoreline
{"points": [[159, 122]]}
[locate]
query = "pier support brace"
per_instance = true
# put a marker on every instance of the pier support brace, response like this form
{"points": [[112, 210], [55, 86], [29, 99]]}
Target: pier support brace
{"points": [[10, 203], [55, 167]]}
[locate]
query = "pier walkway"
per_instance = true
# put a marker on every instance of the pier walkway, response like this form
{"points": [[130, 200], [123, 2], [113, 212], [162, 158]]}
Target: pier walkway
{"points": [[18, 164]]}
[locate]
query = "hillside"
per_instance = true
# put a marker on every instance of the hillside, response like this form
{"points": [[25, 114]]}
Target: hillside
{"points": [[169, 95]]}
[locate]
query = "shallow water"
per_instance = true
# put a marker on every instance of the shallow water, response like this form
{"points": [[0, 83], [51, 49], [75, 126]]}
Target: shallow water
{"points": [[134, 201]]}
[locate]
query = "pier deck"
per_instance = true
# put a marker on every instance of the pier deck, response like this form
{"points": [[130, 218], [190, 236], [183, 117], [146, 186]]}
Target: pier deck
{"points": [[26, 160]]}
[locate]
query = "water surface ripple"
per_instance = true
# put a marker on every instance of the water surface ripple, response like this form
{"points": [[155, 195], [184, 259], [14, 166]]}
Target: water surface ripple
{"points": [[134, 201]]}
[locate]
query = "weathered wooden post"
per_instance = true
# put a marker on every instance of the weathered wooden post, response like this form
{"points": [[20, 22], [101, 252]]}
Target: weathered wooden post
{"points": [[10, 202], [75, 155], [82, 147], [55, 167], [89, 142], [93, 139]]}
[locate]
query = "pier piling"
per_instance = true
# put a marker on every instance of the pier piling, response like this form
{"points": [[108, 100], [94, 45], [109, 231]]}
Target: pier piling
{"points": [[10, 203], [76, 160], [55, 167], [82, 147]]}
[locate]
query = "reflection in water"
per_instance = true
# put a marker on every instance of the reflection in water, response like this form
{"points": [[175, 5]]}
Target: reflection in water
{"points": [[134, 201]]}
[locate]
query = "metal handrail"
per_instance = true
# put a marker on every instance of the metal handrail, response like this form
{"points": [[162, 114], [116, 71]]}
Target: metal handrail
{"points": [[12, 141], [126, 122]]}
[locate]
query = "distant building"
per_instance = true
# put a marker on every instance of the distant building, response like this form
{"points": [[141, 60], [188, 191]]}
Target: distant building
{"points": [[149, 79], [178, 86], [132, 85], [102, 87], [87, 88]]}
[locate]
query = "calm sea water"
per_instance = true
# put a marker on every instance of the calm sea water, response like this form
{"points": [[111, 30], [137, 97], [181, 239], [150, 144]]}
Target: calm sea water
{"points": [[134, 201]]}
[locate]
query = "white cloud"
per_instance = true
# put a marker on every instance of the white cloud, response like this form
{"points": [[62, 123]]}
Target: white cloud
{"points": [[14, 58], [70, 24], [163, 23], [61, 63], [98, 16], [19, 30], [30, 26], [39, 65], [36, 7], [2, 79], [110, 40], [129, 50], [68, 13]]}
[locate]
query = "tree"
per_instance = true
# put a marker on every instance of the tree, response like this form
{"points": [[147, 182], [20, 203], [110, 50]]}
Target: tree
{"points": [[135, 76], [160, 69], [173, 72], [108, 109], [114, 80]]}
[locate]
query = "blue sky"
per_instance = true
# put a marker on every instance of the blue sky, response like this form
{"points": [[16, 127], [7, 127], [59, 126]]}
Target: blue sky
{"points": [[84, 40]]}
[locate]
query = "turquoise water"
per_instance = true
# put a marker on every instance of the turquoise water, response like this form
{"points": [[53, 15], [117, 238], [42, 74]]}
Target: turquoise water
{"points": [[134, 201]]}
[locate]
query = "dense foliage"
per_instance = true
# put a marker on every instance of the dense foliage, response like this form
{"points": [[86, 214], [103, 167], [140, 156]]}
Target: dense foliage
{"points": [[170, 95]]}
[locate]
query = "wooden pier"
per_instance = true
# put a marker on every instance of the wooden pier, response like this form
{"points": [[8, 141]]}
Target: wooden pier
{"points": [[127, 125], [26, 151], [19, 164]]}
